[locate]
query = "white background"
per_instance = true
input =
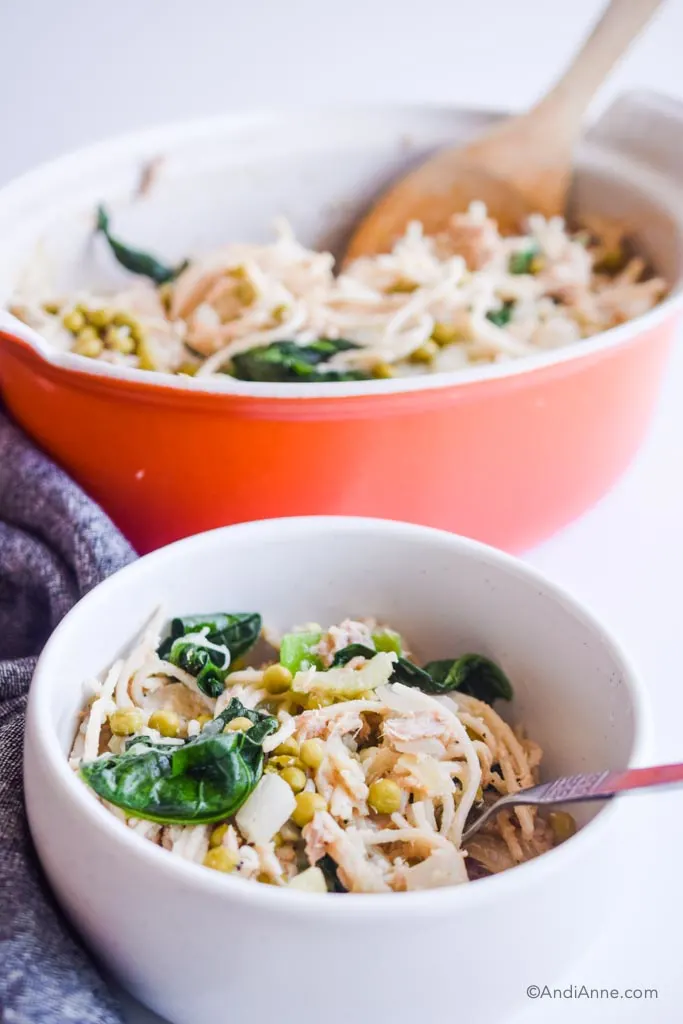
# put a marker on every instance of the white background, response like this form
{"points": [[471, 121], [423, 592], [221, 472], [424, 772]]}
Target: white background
{"points": [[73, 71]]}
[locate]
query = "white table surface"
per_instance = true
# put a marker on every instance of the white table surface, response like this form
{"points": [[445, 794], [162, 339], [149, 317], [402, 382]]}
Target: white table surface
{"points": [[78, 70]]}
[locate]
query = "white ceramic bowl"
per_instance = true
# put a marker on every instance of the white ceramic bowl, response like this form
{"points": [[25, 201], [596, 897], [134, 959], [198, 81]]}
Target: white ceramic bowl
{"points": [[199, 947]]}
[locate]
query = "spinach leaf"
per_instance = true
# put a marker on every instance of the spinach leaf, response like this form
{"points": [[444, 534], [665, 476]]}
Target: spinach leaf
{"points": [[262, 724], [472, 674], [149, 743], [287, 362], [135, 260], [410, 674], [329, 870], [237, 631], [324, 348], [206, 779], [501, 317], [208, 666], [521, 262], [346, 654], [404, 671]]}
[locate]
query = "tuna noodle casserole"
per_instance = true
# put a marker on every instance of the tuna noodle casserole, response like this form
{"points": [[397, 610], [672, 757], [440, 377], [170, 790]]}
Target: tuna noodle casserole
{"points": [[278, 313], [337, 765]]}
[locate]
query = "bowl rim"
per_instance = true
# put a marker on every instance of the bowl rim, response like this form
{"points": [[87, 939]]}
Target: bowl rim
{"points": [[93, 159], [42, 743]]}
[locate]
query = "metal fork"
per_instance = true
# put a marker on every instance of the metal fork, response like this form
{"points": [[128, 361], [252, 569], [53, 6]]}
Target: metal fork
{"points": [[576, 788]]}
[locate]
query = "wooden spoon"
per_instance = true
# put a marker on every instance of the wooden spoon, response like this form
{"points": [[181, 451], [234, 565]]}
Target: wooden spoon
{"points": [[522, 165]]}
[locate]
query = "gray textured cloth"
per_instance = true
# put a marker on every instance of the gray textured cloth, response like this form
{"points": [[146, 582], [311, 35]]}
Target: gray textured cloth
{"points": [[55, 545]]}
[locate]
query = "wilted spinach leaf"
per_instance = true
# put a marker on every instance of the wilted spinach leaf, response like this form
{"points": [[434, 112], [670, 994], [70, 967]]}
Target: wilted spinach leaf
{"points": [[135, 260], [521, 262], [262, 724], [148, 742], [346, 654], [238, 631], [404, 671], [329, 870], [207, 665], [206, 779], [287, 362], [501, 317], [472, 674]]}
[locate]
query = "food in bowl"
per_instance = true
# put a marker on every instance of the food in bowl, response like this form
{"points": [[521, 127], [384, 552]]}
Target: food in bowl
{"points": [[183, 938], [278, 313], [337, 765]]}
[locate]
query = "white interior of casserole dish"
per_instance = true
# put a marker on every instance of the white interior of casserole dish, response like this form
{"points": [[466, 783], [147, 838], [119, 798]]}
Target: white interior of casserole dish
{"points": [[228, 179], [575, 691]]}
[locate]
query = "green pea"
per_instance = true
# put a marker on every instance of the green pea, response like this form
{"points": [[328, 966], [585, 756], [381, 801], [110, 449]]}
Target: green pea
{"points": [[74, 321], [385, 796]]}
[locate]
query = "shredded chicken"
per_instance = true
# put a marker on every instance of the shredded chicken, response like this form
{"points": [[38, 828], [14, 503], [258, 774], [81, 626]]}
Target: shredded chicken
{"points": [[340, 779], [338, 637], [348, 849]]}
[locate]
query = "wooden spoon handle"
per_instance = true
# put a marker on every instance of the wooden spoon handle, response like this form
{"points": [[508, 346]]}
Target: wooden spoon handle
{"points": [[619, 25]]}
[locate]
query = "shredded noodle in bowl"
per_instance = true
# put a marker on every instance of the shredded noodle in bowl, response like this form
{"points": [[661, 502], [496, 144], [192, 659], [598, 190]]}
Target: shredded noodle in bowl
{"points": [[337, 765], [277, 312]]}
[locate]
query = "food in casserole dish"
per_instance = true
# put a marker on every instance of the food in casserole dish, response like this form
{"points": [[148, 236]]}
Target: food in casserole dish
{"points": [[278, 312]]}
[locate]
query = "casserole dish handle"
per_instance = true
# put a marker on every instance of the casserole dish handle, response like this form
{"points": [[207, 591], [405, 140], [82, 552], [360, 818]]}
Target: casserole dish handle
{"points": [[645, 126]]}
